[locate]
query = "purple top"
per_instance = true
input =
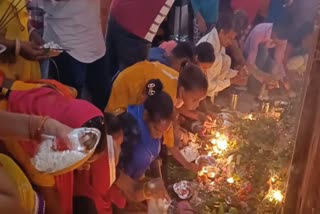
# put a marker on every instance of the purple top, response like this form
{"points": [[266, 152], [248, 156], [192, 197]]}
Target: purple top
{"points": [[261, 34]]}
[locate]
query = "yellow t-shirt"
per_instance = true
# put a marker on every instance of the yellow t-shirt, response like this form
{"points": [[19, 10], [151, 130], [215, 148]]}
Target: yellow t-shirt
{"points": [[129, 88], [26, 193], [17, 28]]}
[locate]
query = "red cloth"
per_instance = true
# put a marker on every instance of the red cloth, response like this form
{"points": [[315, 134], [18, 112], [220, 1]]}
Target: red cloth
{"points": [[250, 7], [64, 186], [95, 184], [48, 102], [168, 46], [136, 16], [72, 112]]}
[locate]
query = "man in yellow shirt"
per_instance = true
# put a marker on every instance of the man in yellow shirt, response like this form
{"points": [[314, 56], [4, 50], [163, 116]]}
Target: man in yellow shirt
{"points": [[186, 89]]}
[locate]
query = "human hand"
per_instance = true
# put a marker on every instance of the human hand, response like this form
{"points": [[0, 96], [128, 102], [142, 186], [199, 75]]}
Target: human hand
{"points": [[243, 71], [286, 85], [193, 167], [36, 39], [31, 51], [155, 188], [239, 80], [60, 131], [201, 23]]}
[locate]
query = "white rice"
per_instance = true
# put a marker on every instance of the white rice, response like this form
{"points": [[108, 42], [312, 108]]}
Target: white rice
{"points": [[48, 160]]}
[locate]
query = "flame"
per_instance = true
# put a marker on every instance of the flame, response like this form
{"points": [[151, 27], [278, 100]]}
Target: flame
{"points": [[221, 141], [211, 174], [222, 144], [217, 134], [276, 195], [230, 180], [200, 173], [249, 117]]}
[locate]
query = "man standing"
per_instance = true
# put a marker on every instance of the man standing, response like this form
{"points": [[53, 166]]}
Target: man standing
{"points": [[131, 29], [76, 26]]}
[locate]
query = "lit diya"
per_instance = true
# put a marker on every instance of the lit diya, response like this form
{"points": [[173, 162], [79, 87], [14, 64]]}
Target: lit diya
{"points": [[183, 189]]}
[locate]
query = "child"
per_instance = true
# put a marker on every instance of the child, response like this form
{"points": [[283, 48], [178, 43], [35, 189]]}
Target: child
{"points": [[220, 75], [144, 126], [186, 88], [143, 135], [204, 56], [173, 58], [206, 13], [265, 49]]}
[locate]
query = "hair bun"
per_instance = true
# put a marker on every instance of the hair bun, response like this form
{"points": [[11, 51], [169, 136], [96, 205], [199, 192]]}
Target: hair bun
{"points": [[153, 87]]}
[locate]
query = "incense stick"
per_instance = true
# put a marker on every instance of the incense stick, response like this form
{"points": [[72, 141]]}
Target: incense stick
{"points": [[4, 25], [5, 13]]}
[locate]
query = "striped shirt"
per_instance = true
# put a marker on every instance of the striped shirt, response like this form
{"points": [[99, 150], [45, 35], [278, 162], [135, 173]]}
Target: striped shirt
{"points": [[141, 17]]}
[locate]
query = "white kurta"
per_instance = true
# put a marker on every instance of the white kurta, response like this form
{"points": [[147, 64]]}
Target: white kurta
{"points": [[220, 73]]}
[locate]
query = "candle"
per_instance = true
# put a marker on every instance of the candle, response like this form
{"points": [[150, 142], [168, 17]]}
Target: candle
{"points": [[222, 144], [211, 174], [208, 171], [276, 195]]}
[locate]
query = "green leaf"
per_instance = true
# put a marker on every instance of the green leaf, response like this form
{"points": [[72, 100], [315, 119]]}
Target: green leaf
{"points": [[233, 211], [221, 209]]}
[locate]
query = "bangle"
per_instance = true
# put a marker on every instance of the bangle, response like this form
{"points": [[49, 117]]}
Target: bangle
{"points": [[39, 130], [17, 47]]}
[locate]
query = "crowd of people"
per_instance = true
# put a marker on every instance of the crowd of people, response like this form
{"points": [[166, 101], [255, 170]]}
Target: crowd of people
{"points": [[106, 75]]}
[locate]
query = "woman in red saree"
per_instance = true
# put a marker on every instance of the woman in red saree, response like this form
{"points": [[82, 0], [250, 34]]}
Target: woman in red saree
{"points": [[44, 101]]}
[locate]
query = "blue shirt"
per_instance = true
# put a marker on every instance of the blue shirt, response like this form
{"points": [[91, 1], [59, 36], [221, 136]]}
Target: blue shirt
{"points": [[158, 54], [276, 11], [209, 10], [139, 149]]}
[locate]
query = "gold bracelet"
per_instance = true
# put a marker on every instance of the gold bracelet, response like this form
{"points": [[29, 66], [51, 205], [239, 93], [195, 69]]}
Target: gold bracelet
{"points": [[39, 130]]}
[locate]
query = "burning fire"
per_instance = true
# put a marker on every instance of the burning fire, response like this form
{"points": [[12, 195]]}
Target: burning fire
{"points": [[230, 180], [221, 142], [249, 117], [275, 195], [207, 171]]}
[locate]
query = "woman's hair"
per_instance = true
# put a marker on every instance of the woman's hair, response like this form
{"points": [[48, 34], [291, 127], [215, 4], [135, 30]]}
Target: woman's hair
{"points": [[158, 104], [113, 124], [192, 78], [241, 21], [183, 50], [205, 52]]}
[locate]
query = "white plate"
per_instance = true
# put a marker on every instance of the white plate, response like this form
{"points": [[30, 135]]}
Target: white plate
{"points": [[49, 160], [183, 189], [2, 48]]}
